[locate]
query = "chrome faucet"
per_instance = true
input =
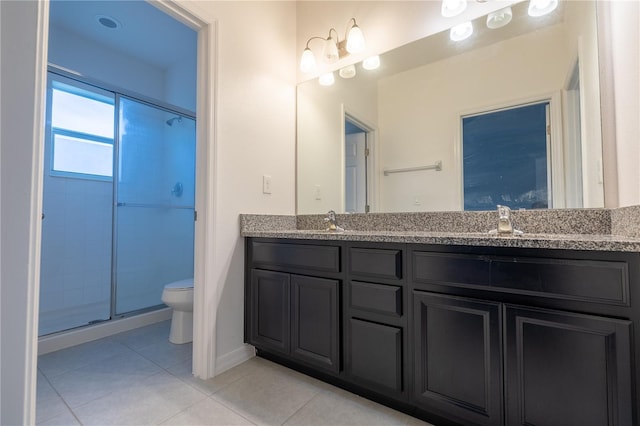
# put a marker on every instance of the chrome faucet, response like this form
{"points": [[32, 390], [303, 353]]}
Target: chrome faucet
{"points": [[333, 223], [505, 225]]}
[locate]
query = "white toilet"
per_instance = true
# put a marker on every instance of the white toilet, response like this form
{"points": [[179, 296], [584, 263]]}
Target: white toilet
{"points": [[178, 295]]}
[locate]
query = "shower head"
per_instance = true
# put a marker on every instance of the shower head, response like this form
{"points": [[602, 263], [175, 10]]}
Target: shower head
{"points": [[171, 120]]}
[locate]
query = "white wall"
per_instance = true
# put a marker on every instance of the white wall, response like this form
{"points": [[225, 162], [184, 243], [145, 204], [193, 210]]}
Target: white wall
{"points": [[101, 63], [255, 135], [180, 83], [419, 112], [21, 124], [625, 29], [321, 148]]}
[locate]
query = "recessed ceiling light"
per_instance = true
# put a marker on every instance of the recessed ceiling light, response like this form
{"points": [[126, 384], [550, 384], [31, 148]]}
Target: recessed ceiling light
{"points": [[108, 22]]}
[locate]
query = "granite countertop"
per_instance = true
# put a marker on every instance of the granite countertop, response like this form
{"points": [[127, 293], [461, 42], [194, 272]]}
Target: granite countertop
{"points": [[547, 241], [577, 229]]}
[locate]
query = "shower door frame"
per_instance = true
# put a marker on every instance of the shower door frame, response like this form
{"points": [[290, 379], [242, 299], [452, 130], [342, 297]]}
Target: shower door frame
{"points": [[116, 167], [119, 94]]}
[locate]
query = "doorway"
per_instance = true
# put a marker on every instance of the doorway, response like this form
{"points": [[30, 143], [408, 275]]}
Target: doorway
{"points": [[357, 151], [106, 231]]}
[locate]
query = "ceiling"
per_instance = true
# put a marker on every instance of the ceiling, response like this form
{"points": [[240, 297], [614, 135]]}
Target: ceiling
{"points": [[145, 32]]}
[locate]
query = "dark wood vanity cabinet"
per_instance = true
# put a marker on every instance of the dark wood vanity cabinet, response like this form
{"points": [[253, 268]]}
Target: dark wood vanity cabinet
{"points": [[376, 344], [292, 314], [456, 335], [457, 344], [565, 368], [526, 336]]}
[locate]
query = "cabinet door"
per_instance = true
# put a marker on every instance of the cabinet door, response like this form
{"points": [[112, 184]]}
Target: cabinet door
{"points": [[457, 357], [315, 317], [270, 313], [567, 369], [375, 355]]}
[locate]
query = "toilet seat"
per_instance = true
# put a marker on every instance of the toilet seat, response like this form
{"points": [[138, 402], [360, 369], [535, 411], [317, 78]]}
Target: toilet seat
{"points": [[181, 285]]}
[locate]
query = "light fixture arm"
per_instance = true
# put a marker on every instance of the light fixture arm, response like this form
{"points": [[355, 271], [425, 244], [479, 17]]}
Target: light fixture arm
{"points": [[313, 38], [346, 32]]}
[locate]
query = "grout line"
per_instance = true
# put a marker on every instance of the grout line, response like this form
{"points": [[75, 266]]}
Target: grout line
{"points": [[217, 401], [63, 401]]}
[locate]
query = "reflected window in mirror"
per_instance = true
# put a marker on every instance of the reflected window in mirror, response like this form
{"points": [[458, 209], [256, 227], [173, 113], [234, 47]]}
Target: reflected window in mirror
{"points": [[506, 159]]}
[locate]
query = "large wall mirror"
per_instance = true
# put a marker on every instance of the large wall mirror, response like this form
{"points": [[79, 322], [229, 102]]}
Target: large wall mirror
{"points": [[432, 129]]}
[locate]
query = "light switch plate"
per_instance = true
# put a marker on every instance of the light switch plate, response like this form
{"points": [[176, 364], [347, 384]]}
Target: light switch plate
{"points": [[266, 184]]}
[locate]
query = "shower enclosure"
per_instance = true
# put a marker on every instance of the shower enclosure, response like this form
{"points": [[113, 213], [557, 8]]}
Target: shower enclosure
{"points": [[118, 204]]}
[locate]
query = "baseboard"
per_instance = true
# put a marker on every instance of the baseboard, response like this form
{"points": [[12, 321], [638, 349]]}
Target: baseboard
{"points": [[233, 358], [66, 339]]}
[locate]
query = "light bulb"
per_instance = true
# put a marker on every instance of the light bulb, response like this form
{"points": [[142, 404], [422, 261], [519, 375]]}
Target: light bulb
{"points": [[461, 32], [499, 18], [371, 63], [355, 40], [326, 79], [348, 72], [308, 61], [541, 7], [330, 51], [452, 8]]}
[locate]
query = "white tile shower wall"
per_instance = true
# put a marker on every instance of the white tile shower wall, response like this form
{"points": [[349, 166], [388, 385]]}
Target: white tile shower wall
{"points": [[76, 246], [155, 244]]}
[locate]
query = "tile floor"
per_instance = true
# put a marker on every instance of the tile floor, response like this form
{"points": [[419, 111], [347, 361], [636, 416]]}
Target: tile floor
{"points": [[139, 378]]}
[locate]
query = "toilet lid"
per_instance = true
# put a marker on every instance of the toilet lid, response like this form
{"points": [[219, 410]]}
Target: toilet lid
{"points": [[180, 285]]}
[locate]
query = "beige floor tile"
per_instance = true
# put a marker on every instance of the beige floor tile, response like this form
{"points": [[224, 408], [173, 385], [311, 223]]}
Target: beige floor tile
{"points": [[184, 372], [64, 419], [100, 378], [150, 401], [49, 404], [338, 407], [145, 336], [166, 354], [267, 396], [65, 360], [207, 412]]}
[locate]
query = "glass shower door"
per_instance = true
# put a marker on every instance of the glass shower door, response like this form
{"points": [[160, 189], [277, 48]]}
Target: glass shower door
{"points": [[154, 214]]}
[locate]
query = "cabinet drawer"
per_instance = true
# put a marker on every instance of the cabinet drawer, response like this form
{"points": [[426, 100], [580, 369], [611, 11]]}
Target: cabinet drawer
{"points": [[384, 299], [448, 268], [377, 263], [573, 279], [312, 257]]}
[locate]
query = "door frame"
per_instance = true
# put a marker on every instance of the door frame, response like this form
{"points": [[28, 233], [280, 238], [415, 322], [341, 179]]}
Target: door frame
{"points": [[373, 179], [205, 314]]}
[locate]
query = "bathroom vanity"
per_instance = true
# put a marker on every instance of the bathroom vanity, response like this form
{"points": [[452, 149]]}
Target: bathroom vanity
{"points": [[455, 328]]}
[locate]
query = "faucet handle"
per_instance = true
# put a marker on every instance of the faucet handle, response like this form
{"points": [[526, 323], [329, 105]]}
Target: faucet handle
{"points": [[504, 211]]}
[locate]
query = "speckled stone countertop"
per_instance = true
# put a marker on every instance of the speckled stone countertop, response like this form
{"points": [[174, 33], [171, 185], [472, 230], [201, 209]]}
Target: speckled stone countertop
{"points": [[572, 229]]}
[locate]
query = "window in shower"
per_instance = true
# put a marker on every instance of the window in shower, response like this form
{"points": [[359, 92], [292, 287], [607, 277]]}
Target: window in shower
{"points": [[82, 128]]}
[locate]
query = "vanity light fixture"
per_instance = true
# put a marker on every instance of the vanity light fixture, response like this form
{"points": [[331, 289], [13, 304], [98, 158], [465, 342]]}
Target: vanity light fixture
{"points": [[541, 7], [461, 32], [326, 79], [334, 48], [371, 63], [452, 8], [499, 18]]}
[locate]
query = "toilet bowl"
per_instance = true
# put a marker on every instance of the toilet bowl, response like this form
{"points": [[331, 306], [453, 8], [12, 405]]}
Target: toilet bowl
{"points": [[178, 295]]}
